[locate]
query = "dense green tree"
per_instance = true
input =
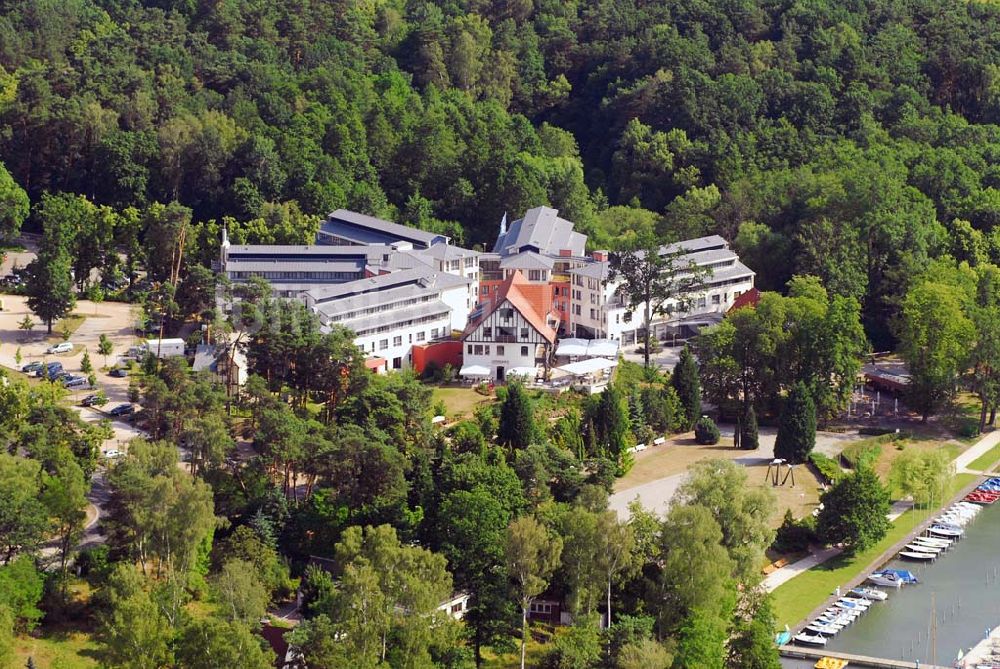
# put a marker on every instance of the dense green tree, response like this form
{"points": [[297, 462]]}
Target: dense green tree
{"points": [[922, 475], [854, 511], [749, 435], [240, 592], [752, 642], [133, 632], [14, 205], [50, 282], [655, 281], [24, 519], [797, 428], [516, 429], [210, 643], [532, 554], [935, 337], [21, 587], [685, 381]]}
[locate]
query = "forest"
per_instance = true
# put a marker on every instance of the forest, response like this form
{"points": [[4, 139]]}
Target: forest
{"points": [[848, 151], [852, 141]]}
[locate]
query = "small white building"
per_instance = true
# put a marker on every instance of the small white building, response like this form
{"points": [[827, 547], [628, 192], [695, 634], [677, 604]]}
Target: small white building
{"points": [[508, 333], [164, 348]]}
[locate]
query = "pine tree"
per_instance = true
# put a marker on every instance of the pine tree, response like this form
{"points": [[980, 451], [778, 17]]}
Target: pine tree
{"points": [[749, 437], [517, 420], [85, 366], [797, 429], [685, 381]]}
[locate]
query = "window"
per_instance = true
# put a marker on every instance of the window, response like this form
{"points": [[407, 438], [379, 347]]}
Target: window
{"points": [[397, 363], [486, 349], [524, 333], [410, 339], [534, 275], [479, 349], [469, 347], [383, 344], [485, 290], [397, 340], [487, 333], [420, 336], [592, 315], [524, 351], [434, 333], [701, 302], [506, 313], [499, 350], [716, 299]]}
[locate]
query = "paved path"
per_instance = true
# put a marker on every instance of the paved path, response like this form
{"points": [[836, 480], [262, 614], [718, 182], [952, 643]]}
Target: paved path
{"points": [[788, 572], [981, 447]]}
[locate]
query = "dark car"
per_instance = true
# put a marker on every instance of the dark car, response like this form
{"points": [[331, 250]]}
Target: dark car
{"points": [[118, 373], [93, 401], [122, 410], [33, 367]]}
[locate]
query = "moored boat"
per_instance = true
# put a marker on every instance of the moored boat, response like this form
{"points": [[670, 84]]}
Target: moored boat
{"points": [[914, 555], [870, 593], [810, 639]]}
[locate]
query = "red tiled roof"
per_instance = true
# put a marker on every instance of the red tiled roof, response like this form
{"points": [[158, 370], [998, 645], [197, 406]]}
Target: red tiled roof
{"points": [[747, 299], [511, 291]]}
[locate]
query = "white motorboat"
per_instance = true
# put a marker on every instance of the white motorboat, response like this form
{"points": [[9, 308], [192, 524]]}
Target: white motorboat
{"points": [[860, 601], [923, 548], [885, 580], [870, 593], [933, 541], [914, 555], [810, 639], [851, 603], [945, 531], [820, 628]]}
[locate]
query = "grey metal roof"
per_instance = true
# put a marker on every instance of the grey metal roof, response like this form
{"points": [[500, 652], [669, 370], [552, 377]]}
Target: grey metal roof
{"points": [[437, 280], [594, 270], [527, 260], [696, 244], [448, 252], [541, 228], [736, 271], [278, 265], [396, 317], [351, 225], [331, 250], [204, 358]]}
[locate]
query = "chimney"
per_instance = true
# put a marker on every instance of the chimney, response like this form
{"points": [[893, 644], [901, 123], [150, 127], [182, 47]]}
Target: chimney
{"points": [[565, 253], [600, 256]]}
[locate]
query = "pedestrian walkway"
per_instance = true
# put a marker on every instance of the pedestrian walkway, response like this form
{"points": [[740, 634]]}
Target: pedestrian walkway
{"points": [[979, 448], [788, 572]]}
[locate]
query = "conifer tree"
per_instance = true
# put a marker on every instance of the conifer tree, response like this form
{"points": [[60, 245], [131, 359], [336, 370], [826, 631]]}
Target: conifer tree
{"points": [[685, 381], [749, 437], [797, 429]]}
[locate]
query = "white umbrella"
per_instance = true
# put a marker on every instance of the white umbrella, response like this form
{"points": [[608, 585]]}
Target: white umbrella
{"points": [[474, 370]]}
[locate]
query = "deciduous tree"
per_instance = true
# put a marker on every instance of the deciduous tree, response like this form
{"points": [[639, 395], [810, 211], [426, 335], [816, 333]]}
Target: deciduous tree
{"points": [[532, 554]]}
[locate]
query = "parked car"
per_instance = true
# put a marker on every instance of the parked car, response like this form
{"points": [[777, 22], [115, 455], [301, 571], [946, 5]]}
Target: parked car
{"points": [[112, 453], [61, 377], [63, 347], [118, 372], [33, 367], [51, 370], [76, 382], [122, 410], [93, 401]]}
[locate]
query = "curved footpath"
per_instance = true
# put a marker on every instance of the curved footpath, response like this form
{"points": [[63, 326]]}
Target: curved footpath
{"points": [[788, 572]]}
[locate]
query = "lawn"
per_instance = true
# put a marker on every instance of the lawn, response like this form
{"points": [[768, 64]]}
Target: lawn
{"points": [[539, 643], [460, 402], [986, 460], [796, 598], [56, 650]]}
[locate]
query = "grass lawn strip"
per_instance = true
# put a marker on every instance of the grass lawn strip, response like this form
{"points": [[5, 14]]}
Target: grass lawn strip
{"points": [[795, 599], [986, 460]]}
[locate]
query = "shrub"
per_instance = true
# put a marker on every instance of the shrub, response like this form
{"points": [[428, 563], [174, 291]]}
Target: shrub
{"points": [[828, 468], [706, 432], [794, 536]]}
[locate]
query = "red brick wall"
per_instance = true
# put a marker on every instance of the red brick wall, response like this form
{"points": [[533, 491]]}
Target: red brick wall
{"points": [[441, 352]]}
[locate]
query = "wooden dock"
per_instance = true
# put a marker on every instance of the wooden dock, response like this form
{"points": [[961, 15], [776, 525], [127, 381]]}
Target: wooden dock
{"points": [[798, 652]]}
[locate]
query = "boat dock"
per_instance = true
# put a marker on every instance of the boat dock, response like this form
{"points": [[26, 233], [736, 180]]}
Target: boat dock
{"points": [[813, 654], [982, 653], [882, 559]]}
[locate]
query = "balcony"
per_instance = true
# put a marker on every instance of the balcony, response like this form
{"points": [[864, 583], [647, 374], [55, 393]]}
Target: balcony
{"points": [[505, 339]]}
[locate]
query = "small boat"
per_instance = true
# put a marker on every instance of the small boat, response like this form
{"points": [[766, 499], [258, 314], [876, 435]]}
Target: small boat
{"points": [[783, 637], [858, 601], [856, 605], [945, 531], [933, 541], [913, 555], [870, 593], [810, 639], [820, 628], [885, 580], [904, 574], [923, 548], [830, 663]]}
